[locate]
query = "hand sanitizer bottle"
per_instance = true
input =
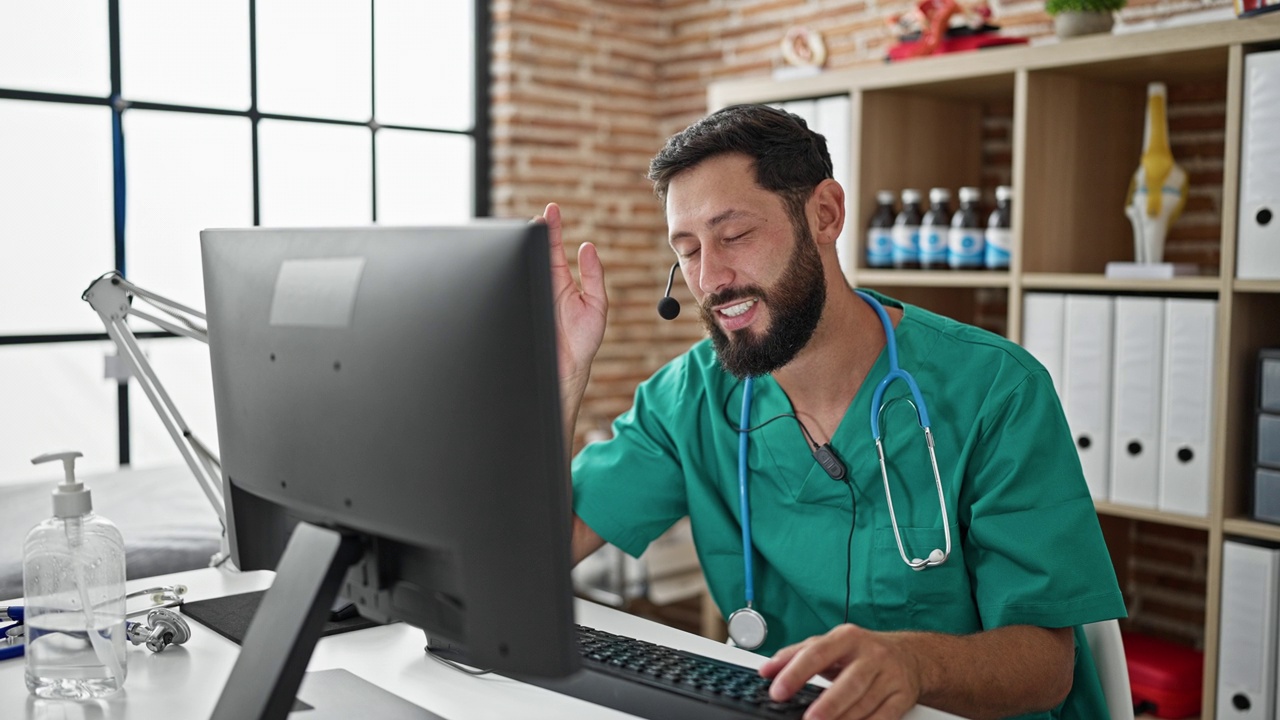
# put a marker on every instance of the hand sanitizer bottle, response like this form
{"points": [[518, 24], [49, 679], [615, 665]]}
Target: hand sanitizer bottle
{"points": [[73, 582]]}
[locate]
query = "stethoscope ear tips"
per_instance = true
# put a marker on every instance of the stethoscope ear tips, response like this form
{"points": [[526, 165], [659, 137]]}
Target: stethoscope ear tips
{"points": [[936, 557]]}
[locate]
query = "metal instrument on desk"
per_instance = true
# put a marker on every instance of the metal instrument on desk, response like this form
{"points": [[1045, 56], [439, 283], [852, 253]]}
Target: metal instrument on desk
{"points": [[164, 626]]}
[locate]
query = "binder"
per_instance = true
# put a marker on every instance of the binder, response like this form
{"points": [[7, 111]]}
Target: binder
{"points": [[1138, 383], [1247, 650], [1186, 422], [1042, 331], [832, 121], [1086, 381], [1258, 250]]}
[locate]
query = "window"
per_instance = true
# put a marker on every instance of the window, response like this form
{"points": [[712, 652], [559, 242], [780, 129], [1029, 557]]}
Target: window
{"points": [[130, 125]]}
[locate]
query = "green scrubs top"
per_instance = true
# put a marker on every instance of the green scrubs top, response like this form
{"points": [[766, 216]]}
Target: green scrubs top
{"points": [[1026, 545]]}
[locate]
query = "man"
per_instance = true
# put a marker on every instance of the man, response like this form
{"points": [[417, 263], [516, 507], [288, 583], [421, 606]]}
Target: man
{"points": [[992, 631]]}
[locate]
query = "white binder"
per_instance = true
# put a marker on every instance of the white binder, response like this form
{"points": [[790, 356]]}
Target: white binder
{"points": [[832, 121], [1042, 331], [1086, 381], [1138, 386], [1186, 422], [1258, 250], [1247, 646]]}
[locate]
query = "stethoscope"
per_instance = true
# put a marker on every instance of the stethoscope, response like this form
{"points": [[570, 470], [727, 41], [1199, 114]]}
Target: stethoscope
{"points": [[164, 626], [747, 627]]}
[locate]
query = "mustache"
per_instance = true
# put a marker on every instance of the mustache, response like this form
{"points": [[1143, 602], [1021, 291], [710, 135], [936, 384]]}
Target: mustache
{"points": [[732, 294]]}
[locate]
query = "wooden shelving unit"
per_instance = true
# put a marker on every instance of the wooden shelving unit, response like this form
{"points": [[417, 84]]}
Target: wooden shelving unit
{"points": [[1077, 113]]}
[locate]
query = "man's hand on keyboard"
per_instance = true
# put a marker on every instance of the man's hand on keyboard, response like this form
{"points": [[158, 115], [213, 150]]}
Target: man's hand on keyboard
{"points": [[871, 676]]}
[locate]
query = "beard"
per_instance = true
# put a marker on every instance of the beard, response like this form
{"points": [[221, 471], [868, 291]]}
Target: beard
{"points": [[795, 305]]}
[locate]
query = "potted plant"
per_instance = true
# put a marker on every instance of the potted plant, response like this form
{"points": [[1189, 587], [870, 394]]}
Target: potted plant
{"points": [[1082, 17]]}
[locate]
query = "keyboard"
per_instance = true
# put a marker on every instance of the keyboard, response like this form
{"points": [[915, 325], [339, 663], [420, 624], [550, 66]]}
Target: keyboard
{"points": [[662, 683]]}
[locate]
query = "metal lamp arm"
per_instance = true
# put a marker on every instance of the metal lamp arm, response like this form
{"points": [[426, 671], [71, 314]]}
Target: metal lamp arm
{"points": [[112, 296]]}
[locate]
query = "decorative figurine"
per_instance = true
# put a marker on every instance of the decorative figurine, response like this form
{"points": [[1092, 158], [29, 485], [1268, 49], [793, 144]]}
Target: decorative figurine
{"points": [[1158, 190], [933, 27], [803, 47]]}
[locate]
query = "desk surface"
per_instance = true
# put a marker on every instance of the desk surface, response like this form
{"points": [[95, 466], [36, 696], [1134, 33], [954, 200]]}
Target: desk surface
{"points": [[185, 681]]}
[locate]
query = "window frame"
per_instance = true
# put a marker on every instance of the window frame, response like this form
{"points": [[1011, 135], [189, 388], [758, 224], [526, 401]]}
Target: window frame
{"points": [[479, 133]]}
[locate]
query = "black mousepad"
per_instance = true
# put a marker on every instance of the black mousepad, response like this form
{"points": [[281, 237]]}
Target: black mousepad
{"points": [[230, 616]]}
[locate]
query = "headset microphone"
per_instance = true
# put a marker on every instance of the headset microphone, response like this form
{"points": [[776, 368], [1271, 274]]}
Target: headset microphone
{"points": [[669, 307]]}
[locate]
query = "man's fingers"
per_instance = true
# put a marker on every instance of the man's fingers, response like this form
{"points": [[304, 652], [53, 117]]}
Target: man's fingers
{"points": [[818, 656], [552, 217], [780, 659], [591, 271], [857, 692]]}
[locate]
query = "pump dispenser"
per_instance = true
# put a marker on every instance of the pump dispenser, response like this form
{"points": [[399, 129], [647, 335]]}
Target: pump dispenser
{"points": [[73, 583]]}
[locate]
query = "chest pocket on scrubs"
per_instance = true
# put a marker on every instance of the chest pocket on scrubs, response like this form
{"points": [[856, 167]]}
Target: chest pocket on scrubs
{"points": [[937, 598]]}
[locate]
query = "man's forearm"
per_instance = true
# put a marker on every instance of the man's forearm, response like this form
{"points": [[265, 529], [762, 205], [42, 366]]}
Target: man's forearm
{"points": [[993, 674], [572, 390]]}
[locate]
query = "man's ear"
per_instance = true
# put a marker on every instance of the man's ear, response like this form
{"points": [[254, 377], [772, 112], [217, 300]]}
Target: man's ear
{"points": [[828, 202]]}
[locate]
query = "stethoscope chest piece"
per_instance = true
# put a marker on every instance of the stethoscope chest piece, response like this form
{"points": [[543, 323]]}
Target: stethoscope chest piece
{"points": [[747, 628]]}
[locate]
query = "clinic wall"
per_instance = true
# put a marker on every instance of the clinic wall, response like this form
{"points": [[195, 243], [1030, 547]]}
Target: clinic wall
{"points": [[576, 106], [585, 92]]}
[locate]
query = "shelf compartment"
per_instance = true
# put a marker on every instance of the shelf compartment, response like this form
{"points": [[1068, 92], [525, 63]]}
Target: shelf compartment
{"points": [[1253, 327], [986, 307], [948, 135], [1086, 125], [1163, 572]]}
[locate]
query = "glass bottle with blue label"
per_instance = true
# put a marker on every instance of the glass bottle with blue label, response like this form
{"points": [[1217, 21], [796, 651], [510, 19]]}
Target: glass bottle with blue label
{"points": [[965, 239], [933, 229], [998, 235], [906, 232], [880, 232]]}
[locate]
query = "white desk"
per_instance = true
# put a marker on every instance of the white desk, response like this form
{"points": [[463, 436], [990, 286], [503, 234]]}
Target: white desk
{"points": [[185, 681]]}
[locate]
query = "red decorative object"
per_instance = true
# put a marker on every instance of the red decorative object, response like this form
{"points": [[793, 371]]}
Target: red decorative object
{"points": [[1165, 677], [908, 48], [927, 29]]}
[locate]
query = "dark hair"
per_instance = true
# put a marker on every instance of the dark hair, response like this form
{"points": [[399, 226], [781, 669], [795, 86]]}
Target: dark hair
{"points": [[790, 159]]}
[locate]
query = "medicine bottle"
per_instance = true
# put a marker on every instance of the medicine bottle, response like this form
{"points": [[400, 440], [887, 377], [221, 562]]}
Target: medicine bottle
{"points": [[999, 235], [906, 232], [934, 229], [966, 242], [880, 232], [73, 584]]}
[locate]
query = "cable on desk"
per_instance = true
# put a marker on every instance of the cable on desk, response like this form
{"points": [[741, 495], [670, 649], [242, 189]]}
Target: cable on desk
{"points": [[431, 653]]}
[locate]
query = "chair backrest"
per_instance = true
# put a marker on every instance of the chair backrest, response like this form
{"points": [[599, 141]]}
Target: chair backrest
{"points": [[1108, 655]]}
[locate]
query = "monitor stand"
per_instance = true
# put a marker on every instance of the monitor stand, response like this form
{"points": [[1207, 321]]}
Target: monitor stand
{"points": [[284, 631]]}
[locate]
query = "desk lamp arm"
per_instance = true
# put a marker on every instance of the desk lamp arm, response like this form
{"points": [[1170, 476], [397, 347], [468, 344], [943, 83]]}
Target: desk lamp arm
{"points": [[112, 297]]}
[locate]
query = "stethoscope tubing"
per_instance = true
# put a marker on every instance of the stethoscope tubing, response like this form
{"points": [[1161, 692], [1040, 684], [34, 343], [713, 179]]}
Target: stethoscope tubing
{"points": [[744, 506], [935, 558], [167, 596]]}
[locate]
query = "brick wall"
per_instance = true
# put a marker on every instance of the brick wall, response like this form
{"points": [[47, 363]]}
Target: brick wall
{"points": [[586, 91]]}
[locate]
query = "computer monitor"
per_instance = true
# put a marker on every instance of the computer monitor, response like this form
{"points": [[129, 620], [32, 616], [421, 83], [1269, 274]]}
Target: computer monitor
{"points": [[388, 398]]}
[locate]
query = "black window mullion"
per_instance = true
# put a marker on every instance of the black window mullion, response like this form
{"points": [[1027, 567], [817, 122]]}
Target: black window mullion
{"points": [[480, 172], [373, 106], [118, 190], [254, 116]]}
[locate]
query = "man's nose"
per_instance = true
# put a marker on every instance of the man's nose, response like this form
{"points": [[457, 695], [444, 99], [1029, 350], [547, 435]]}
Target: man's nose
{"points": [[714, 274]]}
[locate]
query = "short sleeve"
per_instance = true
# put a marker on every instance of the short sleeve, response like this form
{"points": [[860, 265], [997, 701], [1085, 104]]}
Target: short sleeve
{"points": [[630, 489], [1034, 545]]}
